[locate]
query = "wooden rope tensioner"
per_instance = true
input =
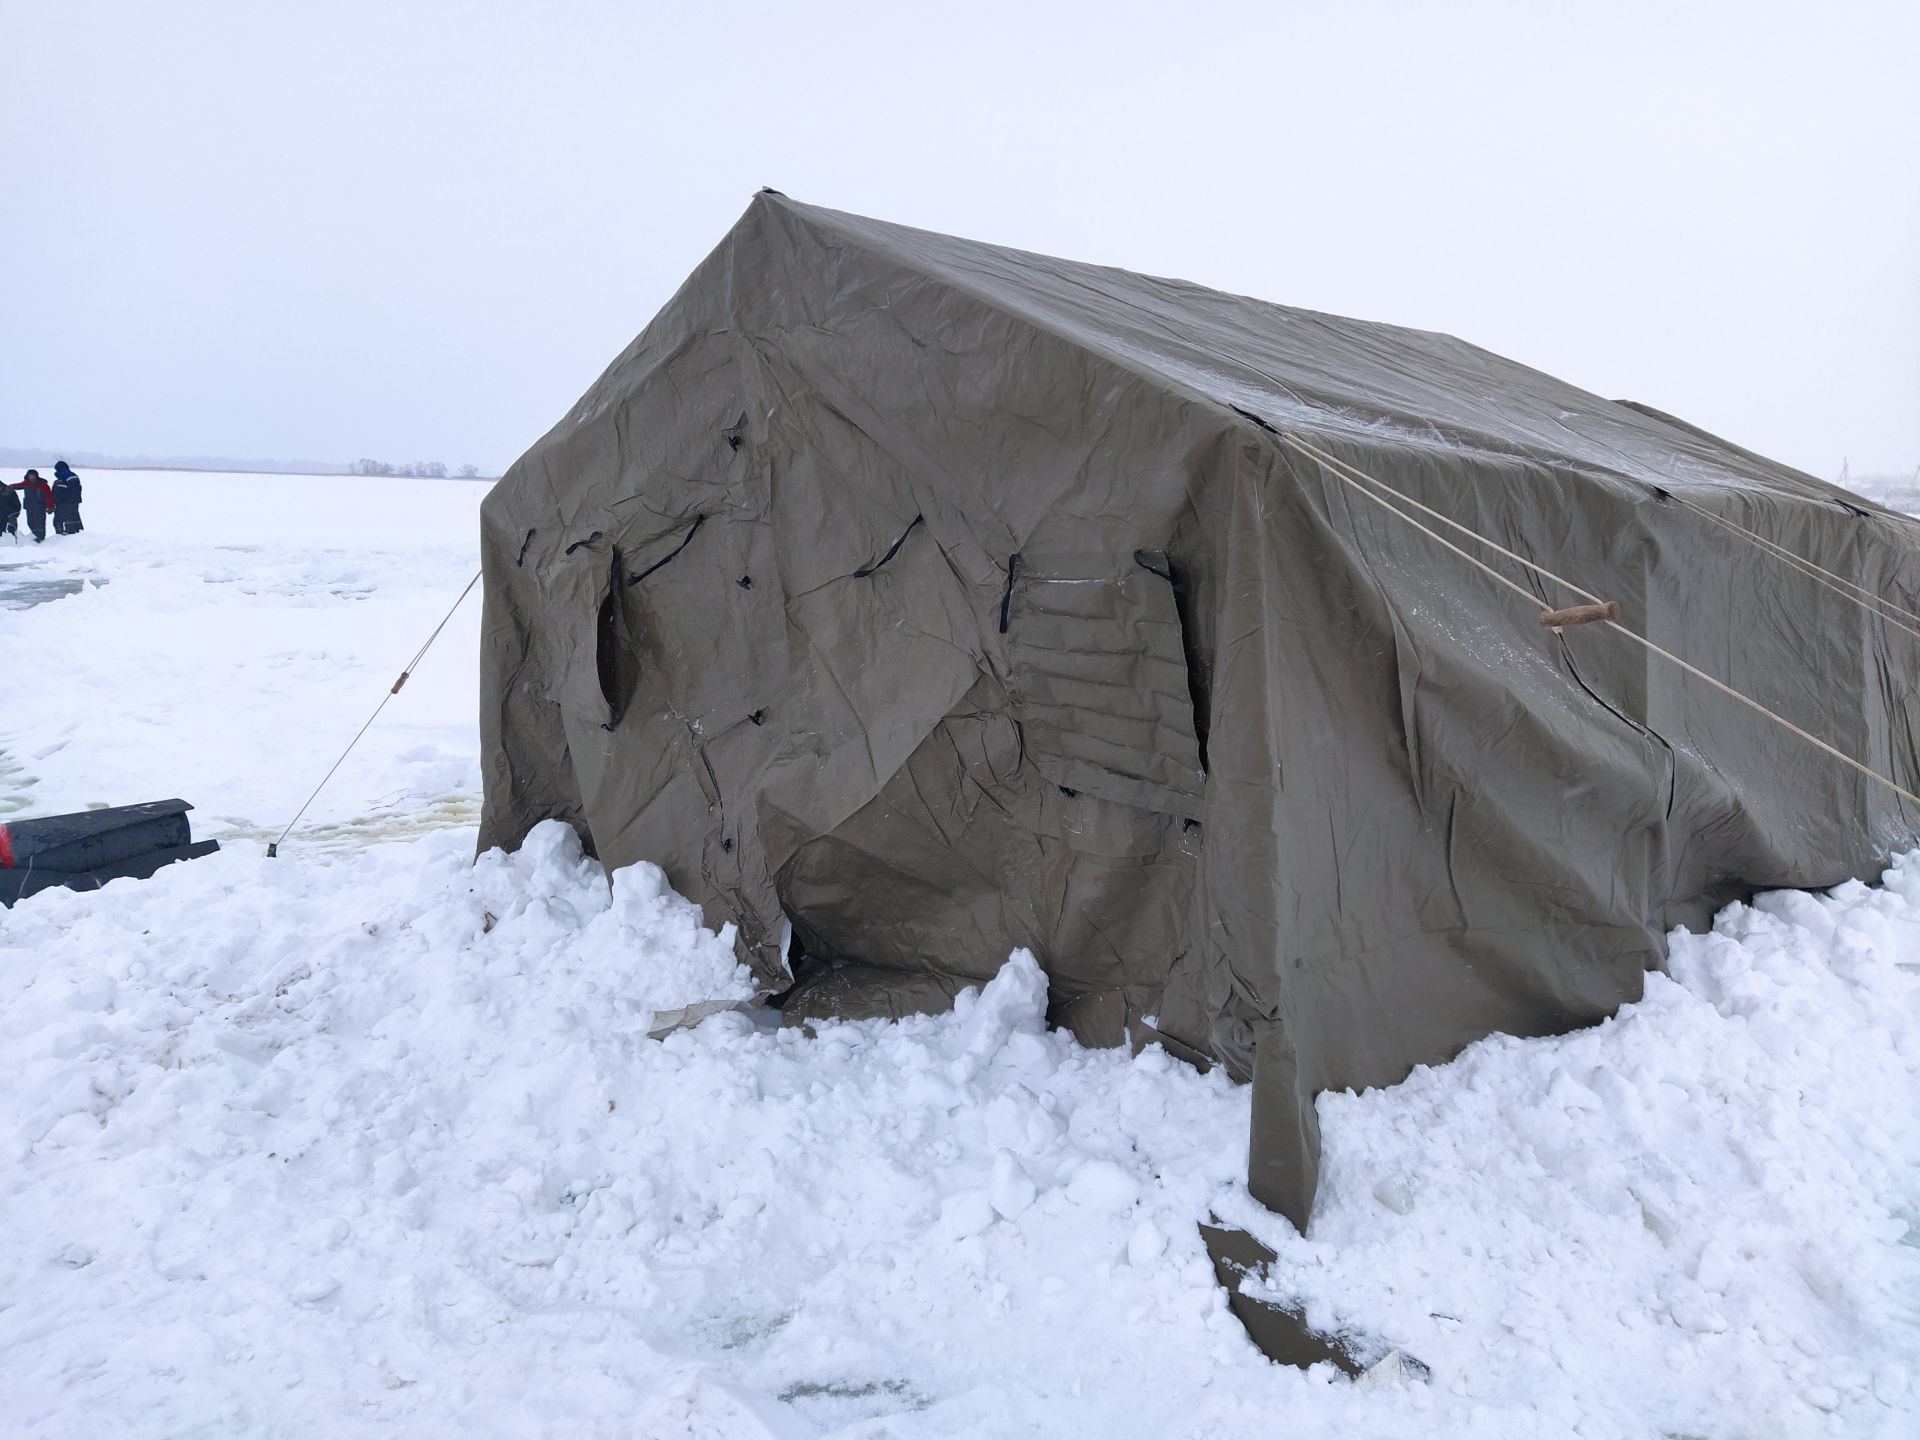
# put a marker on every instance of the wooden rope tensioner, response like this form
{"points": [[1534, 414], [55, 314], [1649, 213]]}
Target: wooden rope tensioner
{"points": [[1557, 620]]}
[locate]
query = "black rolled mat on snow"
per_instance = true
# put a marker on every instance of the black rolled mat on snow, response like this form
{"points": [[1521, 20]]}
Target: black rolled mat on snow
{"points": [[84, 850]]}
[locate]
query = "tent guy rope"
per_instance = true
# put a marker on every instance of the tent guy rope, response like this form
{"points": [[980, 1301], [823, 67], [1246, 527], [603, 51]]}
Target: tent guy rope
{"points": [[406, 673], [1859, 594], [1346, 473]]}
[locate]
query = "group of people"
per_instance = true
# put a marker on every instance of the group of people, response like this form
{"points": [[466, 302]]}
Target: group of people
{"points": [[61, 498]]}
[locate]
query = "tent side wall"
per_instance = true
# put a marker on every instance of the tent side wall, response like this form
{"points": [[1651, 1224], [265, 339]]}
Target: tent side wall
{"points": [[1478, 825], [927, 810], [852, 410], [1421, 828]]}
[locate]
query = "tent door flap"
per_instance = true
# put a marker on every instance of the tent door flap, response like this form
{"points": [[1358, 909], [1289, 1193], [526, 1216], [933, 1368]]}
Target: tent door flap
{"points": [[590, 634]]}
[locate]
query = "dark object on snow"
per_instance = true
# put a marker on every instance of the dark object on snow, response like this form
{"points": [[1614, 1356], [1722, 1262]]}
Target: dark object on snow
{"points": [[1153, 688], [66, 500], [1280, 1330], [83, 851], [9, 512], [37, 499]]}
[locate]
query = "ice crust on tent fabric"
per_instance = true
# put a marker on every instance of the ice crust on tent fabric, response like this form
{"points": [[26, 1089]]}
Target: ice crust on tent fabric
{"points": [[313, 1145]]}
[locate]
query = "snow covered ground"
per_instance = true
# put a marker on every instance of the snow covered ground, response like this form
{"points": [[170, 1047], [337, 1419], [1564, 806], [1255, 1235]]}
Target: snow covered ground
{"points": [[371, 1141], [227, 635]]}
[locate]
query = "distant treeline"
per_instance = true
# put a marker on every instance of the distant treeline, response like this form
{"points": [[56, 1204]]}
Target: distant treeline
{"points": [[21, 456], [413, 470]]}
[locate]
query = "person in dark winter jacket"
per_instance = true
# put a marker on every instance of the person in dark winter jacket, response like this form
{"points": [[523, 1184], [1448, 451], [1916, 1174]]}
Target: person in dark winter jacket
{"points": [[9, 513], [66, 499], [37, 500]]}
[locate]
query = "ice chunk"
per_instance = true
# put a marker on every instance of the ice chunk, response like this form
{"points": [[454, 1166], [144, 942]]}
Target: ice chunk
{"points": [[1011, 1190], [1013, 1003], [1103, 1186]]}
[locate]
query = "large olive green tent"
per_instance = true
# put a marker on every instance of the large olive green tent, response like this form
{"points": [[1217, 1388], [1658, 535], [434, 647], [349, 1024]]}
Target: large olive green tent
{"points": [[910, 599]]}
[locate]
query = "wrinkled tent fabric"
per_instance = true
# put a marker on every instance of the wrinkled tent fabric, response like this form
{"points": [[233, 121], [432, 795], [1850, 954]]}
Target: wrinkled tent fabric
{"points": [[935, 599]]}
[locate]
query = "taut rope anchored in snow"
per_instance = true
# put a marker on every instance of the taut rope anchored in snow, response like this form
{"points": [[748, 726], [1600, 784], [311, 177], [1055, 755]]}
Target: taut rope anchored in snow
{"points": [[406, 673], [1346, 473]]}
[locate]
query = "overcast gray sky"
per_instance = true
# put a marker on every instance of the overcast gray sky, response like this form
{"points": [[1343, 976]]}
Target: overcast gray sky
{"points": [[417, 231]]}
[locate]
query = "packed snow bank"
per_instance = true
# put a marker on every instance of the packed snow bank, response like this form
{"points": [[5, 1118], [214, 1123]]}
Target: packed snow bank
{"points": [[377, 1146], [1707, 1208]]}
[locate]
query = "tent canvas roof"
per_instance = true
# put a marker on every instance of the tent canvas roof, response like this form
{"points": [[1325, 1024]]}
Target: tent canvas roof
{"points": [[1327, 373]]}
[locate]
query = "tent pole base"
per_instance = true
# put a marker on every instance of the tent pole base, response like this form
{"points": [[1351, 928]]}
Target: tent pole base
{"points": [[1280, 1330]]}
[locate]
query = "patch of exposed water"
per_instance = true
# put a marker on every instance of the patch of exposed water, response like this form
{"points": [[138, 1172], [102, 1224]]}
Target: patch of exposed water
{"points": [[18, 592]]}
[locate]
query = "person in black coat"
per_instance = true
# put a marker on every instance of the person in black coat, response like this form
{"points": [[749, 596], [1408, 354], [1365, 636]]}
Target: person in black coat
{"points": [[37, 499], [9, 513], [66, 499]]}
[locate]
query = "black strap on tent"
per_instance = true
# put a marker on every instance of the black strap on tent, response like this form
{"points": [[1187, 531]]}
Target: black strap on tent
{"points": [[892, 550], [687, 539], [1140, 559]]}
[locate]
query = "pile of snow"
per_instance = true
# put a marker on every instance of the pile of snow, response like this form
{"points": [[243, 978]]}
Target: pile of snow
{"points": [[379, 1146], [1706, 1210]]}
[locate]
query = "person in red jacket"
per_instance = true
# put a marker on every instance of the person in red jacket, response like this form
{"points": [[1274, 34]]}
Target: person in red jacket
{"points": [[38, 501]]}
